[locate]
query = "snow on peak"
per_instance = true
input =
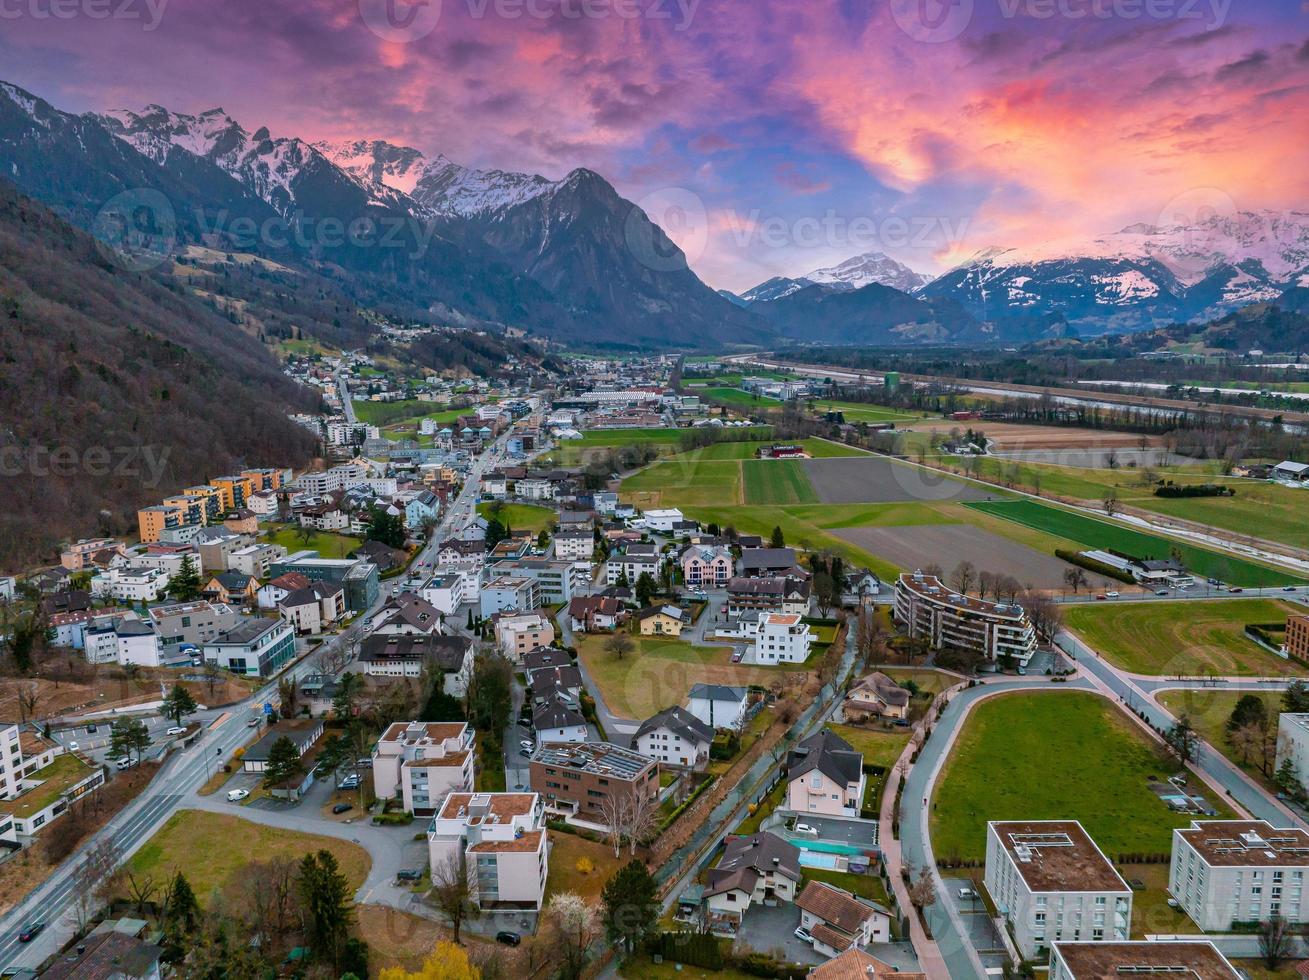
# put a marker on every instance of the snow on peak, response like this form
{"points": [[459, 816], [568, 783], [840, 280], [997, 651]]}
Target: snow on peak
{"points": [[868, 268], [448, 188], [376, 162]]}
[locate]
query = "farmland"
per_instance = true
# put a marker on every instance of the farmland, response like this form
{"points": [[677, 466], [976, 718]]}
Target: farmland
{"points": [[1107, 791], [1182, 638], [777, 481], [878, 479], [1093, 533]]}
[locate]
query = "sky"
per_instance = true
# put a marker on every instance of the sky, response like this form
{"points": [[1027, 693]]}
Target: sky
{"points": [[768, 137]]}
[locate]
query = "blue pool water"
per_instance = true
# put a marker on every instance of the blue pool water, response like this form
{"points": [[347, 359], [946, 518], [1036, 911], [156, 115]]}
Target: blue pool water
{"points": [[812, 859]]}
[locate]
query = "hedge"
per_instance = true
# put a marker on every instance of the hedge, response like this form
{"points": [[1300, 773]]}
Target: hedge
{"points": [[681, 808], [1091, 565], [691, 948], [1193, 490]]}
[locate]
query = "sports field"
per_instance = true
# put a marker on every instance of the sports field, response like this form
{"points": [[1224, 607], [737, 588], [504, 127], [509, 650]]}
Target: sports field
{"points": [[1068, 755], [777, 481], [1094, 533], [1190, 637], [735, 396]]}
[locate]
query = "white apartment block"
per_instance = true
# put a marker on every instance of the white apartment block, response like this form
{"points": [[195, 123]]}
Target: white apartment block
{"points": [[131, 585], [123, 640], [574, 545], [1293, 742], [501, 840], [448, 591], [1191, 960], [926, 608], [1051, 882], [631, 566], [506, 594], [1228, 871], [254, 560], [422, 763], [38, 780], [782, 638]]}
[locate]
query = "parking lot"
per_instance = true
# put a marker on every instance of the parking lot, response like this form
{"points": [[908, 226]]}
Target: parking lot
{"points": [[978, 925], [769, 929], [857, 833]]}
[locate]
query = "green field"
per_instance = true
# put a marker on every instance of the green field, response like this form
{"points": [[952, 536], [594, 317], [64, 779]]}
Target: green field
{"points": [[628, 437], [1066, 755], [1093, 533], [1209, 710], [735, 396], [865, 412], [777, 481], [817, 448], [521, 517], [684, 482], [327, 544], [1185, 638], [879, 748]]}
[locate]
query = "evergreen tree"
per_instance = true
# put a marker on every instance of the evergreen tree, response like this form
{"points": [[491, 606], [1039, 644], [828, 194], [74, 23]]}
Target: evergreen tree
{"points": [[182, 911], [645, 589], [185, 585], [325, 896], [631, 910], [178, 704], [778, 540], [127, 737], [1295, 698], [284, 763], [1249, 710]]}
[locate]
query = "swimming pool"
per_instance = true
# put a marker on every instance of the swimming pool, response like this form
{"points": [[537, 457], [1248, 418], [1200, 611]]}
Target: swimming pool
{"points": [[813, 859], [827, 847]]}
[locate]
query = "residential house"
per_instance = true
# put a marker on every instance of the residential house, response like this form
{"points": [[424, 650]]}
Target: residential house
{"points": [[275, 590], [255, 559], [113, 950], [407, 613], [663, 519], [1051, 883], [130, 585], [675, 737], [860, 587], [759, 868], [449, 590], [665, 620], [838, 921], [589, 614], [313, 608], [875, 696], [718, 705], [383, 556], [501, 842], [764, 562], [636, 560], [462, 554], [545, 657], [231, 588], [825, 776], [771, 594], [422, 762], [121, 639], [424, 507], [574, 545], [557, 717]]}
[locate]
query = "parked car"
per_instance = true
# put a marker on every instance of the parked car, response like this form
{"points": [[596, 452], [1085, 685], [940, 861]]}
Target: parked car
{"points": [[804, 828], [350, 782], [409, 874], [802, 934], [236, 795], [967, 893], [122, 764], [737, 655], [508, 938], [343, 807], [72, 746], [1111, 595], [175, 730], [527, 745], [30, 931]]}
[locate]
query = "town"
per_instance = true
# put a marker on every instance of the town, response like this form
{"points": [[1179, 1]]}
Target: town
{"points": [[745, 667]]}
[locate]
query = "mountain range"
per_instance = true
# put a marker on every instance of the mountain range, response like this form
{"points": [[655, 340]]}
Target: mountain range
{"points": [[385, 226]]}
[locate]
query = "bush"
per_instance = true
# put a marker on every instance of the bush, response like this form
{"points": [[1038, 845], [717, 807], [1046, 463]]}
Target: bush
{"points": [[1091, 565], [1171, 489], [393, 819], [691, 948]]}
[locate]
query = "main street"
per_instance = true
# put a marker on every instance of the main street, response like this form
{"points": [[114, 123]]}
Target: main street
{"points": [[54, 901]]}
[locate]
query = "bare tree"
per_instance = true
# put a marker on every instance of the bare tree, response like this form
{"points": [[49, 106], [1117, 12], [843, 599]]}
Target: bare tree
{"points": [[1044, 612], [922, 888], [1274, 941], [141, 889], [963, 576], [642, 817], [28, 698], [985, 584], [1110, 503], [270, 895], [613, 814], [1074, 578], [453, 888], [618, 645], [89, 879]]}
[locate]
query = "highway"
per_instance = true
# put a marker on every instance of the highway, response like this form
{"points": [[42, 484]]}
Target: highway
{"points": [[54, 900]]}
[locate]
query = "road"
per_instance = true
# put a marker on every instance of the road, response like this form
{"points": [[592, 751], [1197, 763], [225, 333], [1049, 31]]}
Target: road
{"points": [[53, 901]]}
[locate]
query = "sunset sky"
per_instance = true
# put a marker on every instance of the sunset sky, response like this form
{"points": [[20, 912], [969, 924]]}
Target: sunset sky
{"points": [[768, 136]]}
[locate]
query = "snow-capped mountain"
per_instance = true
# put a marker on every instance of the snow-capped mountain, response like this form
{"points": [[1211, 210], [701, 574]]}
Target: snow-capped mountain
{"points": [[870, 267], [376, 161], [854, 273]]}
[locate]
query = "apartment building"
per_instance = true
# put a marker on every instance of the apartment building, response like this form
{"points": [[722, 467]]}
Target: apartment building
{"points": [[638, 559], [121, 639], [422, 762], [505, 594], [705, 566], [518, 634], [782, 638], [578, 778], [927, 609], [254, 647], [255, 559], [313, 608], [1227, 871], [1293, 742], [499, 839], [38, 781], [130, 585], [574, 545], [556, 581], [194, 623], [771, 594], [1051, 882], [406, 654], [1297, 636], [675, 737], [450, 590], [1193, 960]]}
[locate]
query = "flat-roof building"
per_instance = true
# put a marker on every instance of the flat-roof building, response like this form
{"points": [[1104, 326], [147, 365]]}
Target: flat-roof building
{"points": [[926, 608], [1193, 960], [1228, 871]]}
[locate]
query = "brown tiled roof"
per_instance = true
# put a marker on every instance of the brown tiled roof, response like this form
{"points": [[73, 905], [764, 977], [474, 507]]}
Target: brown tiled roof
{"points": [[835, 938], [833, 905], [855, 964]]}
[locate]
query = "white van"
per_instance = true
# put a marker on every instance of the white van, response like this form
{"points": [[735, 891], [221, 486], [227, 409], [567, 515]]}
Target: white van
{"points": [[123, 764]]}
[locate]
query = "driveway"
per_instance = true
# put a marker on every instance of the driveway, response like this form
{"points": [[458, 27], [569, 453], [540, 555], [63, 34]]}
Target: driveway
{"points": [[858, 833], [766, 929], [978, 926]]}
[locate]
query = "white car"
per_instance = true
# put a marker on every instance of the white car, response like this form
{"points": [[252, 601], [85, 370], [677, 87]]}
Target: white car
{"points": [[967, 893], [72, 746], [236, 795], [526, 746], [804, 828], [802, 934], [175, 730]]}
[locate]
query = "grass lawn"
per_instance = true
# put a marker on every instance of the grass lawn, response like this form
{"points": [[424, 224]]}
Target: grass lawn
{"points": [[777, 481], [1151, 915], [734, 396], [326, 543], [660, 672], [1188, 638], [750, 825], [1209, 711], [218, 868], [1094, 533], [684, 482], [521, 517], [817, 448], [865, 886], [1066, 755], [566, 850], [864, 411], [928, 681], [879, 748], [642, 967], [628, 437]]}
